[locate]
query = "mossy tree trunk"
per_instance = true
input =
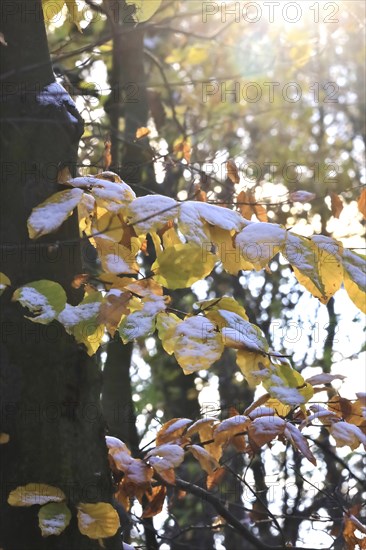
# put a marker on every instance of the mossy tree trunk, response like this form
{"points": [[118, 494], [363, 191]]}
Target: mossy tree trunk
{"points": [[50, 388]]}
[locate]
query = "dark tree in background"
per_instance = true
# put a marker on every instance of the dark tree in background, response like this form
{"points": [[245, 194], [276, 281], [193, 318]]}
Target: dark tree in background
{"points": [[49, 386]]}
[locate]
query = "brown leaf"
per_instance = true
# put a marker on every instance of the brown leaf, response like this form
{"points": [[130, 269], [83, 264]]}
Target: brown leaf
{"points": [[172, 430], [199, 195], [80, 280], [107, 156], [261, 212], [214, 479], [114, 306], [362, 203], [155, 501], [63, 175], [348, 410], [245, 209], [232, 171], [336, 204]]}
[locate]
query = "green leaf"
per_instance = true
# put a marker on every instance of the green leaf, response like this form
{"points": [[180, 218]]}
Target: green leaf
{"points": [[50, 214], [44, 299], [53, 518], [4, 282], [181, 265]]}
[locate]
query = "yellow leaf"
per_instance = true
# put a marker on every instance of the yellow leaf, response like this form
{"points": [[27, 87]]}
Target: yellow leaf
{"points": [[116, 258], [229, 254], [51, 8], [287, 385], [362, 203], [259, 242], [316, 263], [35, 493], [82, 322], [210, 309], [254, 366], [97, 521], [166, 324], [198, 344], [182, 265], [355, 277]]}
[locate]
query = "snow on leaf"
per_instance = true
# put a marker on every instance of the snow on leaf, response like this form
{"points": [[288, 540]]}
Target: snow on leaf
{"points": [[197, 345], [165, 457], [181, 265], [259, 242], [265, 428], [253, 365], [115, 258], [324, 378], [287, 385], [172, 430], [97, 521], [82, 321], [4, 282], [166, 324], [50, 214], [347, 434], [53, 518], [142, 322], [35, 494], [302, 196], [355, 278], [44, 299], [112, 195], [151, 213], [227, 303], [240, 334], [207, 462], [294, 435], [193, 218]]}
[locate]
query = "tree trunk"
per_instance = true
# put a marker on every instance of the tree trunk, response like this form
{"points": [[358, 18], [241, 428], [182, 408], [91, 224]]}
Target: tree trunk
{"points": [[49, 386]]}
